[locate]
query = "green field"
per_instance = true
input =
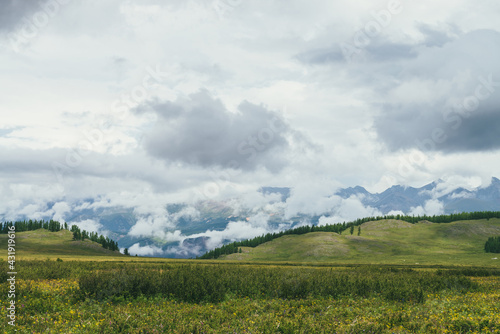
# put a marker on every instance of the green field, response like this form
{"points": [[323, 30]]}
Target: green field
{"points": [[385, 242], [42, 244], [395, 277], [167, 297]]}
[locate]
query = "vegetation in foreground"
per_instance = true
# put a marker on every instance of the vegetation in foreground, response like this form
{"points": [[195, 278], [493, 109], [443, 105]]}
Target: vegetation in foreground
{"points": [[138, 295], [65, 297]]}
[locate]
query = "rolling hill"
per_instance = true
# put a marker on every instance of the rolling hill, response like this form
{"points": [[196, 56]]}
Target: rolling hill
{"points": [[42, 244], [385, 242], [195, 224]]}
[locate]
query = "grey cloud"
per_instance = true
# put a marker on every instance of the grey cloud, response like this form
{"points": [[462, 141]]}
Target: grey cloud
{"points": [[386, 51], [13, 12], [67, 168], [426, 128], [378, 50], [199, 130], [464, 116], [480, 132], [321, 56], [435, 37], [476, 51]]}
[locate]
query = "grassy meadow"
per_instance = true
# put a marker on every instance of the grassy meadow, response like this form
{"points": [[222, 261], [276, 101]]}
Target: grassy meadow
{"points": [[385, 242], [168, 297], [393, 278], [42, 244]]}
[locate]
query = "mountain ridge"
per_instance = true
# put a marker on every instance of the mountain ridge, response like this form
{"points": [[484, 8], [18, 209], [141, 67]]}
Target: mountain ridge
{"points": [[190, 230], [401, 198]]}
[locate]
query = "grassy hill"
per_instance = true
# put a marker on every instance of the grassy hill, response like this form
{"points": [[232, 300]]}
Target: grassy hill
{"points": [[380, 242], [385, 242], [42, 244]]}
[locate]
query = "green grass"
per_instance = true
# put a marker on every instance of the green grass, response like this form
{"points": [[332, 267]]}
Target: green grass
{"points": [[42, 244], [148, 295], [385, 242], [381, 242], [56, 297]]}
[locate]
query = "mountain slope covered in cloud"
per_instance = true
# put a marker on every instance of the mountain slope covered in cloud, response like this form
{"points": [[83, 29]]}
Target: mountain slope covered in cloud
{"points": [[188, 230], [176, 126], [410, 199]]}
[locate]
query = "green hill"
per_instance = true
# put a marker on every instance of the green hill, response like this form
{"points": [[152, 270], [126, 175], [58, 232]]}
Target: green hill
{"points": [[385, 242], [42, 244]]}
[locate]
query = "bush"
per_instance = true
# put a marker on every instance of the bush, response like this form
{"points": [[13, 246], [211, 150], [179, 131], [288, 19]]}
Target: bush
{"points": [[213, 283]]}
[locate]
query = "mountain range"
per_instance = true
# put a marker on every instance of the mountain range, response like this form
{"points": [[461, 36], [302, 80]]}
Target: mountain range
{"points": [[400, 198], [189, 230]]}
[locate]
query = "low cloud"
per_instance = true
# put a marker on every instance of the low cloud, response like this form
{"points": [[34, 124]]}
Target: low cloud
{"points": [[450, 184], [311, 198], [148, 250], [234, 231], [89, 225], [154, 224], [347, 210], [431, 207]]}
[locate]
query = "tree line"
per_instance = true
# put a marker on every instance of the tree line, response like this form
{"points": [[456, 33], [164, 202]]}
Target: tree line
{"points": [[31, 225], [105, 242], [492, 245], [55, 226], [234, 247]]}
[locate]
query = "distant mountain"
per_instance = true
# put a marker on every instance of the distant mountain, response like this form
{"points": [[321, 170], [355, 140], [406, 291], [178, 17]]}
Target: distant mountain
{"points": [[283, 191], [400, 198], [197, 226]]}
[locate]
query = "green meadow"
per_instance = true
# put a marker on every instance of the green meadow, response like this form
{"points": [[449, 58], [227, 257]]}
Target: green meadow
{"points": [[385, 242], [42, 244], [395, 277]]}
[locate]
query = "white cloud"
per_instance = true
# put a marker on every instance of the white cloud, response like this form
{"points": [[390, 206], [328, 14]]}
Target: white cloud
{"points": [[348, 210], [432, 207], [154, 226], [256, 226], [95, 62], [89, 225], [148, 250]]}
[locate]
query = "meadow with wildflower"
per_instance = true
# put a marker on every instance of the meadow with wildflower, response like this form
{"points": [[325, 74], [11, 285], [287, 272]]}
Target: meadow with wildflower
{"points": [[165, 297]]}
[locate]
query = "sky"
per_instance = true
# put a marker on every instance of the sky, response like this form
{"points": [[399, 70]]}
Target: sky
{"points": [[143, 103]]}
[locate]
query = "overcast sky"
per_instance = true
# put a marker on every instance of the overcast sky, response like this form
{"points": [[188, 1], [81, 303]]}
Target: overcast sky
{"points": [[142, 103]]}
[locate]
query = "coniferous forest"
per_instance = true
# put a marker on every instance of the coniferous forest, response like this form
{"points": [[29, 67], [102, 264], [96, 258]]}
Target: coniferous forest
{"points": [[492, 245]]}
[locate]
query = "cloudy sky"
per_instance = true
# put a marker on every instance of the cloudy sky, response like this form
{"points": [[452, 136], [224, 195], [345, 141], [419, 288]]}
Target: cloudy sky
{"points": [[143, 103]]}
